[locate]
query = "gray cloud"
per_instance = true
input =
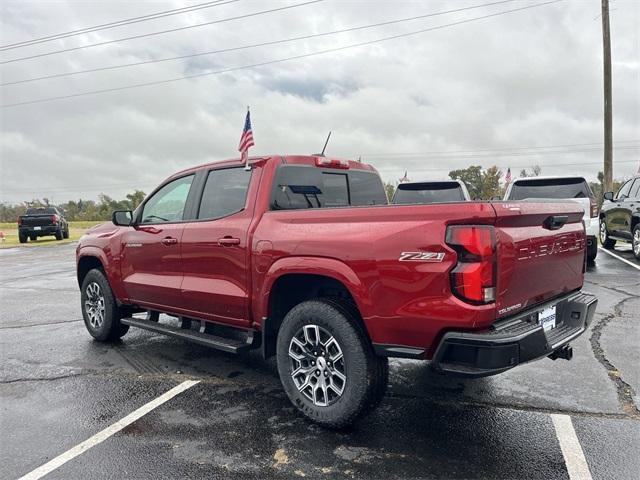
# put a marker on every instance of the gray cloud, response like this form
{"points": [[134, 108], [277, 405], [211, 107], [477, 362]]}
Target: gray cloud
{"points": [[531, 78]]}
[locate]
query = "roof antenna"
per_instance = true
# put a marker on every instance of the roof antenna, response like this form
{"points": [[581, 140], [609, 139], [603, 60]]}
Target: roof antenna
{"points": [[325, 146]]}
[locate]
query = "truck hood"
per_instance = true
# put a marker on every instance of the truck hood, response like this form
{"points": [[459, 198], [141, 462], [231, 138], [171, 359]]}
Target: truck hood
{"points": [[103, 230]]}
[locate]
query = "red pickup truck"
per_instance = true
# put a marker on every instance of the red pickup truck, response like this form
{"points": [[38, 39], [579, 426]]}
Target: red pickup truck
{"points": [[302, 257]]}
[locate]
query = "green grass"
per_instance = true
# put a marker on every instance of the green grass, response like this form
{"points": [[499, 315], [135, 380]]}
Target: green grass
{"points": [[10, 230], [7, 227]]}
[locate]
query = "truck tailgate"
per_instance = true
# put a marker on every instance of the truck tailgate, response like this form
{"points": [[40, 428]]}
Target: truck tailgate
{"points": [[36, 220], [541, 252]]}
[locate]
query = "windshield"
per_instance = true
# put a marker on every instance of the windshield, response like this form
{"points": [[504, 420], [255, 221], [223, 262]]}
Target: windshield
{"points": [[434, 192], [550, 188]]}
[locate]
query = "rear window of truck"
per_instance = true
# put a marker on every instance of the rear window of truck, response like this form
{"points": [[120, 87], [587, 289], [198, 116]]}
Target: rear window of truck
{"points": [[42, 211], [550, 188], [427, 192], [302, 186]]}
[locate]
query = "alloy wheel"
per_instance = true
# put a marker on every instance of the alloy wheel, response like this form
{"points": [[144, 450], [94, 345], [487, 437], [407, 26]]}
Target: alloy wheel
{"points": [[94, 305], [317, 365], [636, 242], [603, 233]]}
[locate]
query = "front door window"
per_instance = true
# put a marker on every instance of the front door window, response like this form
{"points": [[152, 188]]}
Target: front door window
{"points": [[167, 204]]}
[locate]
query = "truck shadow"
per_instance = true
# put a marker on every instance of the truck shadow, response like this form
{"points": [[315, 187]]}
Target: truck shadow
{"points": [[246, 430], [238, 423], [407, 378]]}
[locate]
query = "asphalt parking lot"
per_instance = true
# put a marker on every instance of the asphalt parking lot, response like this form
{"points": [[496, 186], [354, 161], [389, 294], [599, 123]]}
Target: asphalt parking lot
{"points": [[59, 388]]}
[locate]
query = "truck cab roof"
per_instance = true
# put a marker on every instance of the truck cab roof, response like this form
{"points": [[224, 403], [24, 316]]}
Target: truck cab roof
{"points": [[311, 160]]}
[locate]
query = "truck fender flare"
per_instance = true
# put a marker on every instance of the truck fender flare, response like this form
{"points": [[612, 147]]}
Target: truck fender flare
{"points": [[322, 266], [108, 266]]}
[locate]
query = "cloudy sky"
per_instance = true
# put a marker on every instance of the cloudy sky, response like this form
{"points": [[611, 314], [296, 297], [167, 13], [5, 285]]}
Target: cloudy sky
{"points": [[514, 90]]}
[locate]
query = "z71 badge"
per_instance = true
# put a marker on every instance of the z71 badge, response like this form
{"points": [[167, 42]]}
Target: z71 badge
{"points": [[421, 257]]}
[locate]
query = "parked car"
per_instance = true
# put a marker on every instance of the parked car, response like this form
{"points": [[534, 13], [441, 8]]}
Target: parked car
{"points": [[42, 222], [569, 188], [302, 257], [437, 191], [620, 216]]}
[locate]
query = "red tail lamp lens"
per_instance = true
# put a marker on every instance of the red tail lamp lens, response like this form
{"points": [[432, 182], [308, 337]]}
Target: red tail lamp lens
{"points": [[473, 278]]}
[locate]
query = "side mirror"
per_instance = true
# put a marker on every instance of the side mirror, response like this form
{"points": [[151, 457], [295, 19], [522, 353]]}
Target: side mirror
{"points": [[608, 196], [122, 218]]}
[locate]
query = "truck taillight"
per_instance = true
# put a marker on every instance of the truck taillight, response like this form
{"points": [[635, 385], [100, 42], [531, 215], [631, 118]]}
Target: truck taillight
{"points": [[19, 221], [54, 219], [594, 207], [473, 278]]}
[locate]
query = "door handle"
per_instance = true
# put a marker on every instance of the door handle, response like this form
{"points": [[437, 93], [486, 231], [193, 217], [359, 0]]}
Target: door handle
{"points": [[169, 241], [228, 241], [555, 222]]}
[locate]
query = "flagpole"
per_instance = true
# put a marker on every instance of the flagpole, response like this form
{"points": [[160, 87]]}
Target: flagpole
{"points": [[247, 168]]}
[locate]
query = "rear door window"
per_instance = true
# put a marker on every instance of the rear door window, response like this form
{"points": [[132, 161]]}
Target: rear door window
{"points": [[225, 193], [550, 188], [428, 193]]}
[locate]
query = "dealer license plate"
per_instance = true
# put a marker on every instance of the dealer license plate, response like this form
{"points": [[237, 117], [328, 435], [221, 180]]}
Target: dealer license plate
{"points": [[547, 318], [37, 228]]}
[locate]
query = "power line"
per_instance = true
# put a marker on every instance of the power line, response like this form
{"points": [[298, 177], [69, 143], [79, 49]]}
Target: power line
{"points": [[245, 47], [437, 169], [161, 32], [499, 154], [495, 149], [281, 60], [74, 188], [477, 150], [118, 23]]}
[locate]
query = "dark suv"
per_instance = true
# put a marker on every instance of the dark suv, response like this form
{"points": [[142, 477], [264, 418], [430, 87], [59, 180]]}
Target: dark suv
{"points": [[620, 216]]}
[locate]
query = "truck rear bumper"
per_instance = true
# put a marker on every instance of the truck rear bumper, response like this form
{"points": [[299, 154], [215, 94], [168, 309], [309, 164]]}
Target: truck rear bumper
{"points": [[42, 231], [515, 340]]}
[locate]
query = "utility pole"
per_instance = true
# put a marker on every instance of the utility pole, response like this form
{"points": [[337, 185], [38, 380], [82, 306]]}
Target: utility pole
{"points": [[608, 133]]}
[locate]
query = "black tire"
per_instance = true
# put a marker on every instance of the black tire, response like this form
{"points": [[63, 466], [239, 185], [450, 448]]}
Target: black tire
{"points": [[366, 374], [59, 235], [33, 238], [604, 236], [22, 237], [109, 328], [635, 241], [66, 233], [592, 251]]}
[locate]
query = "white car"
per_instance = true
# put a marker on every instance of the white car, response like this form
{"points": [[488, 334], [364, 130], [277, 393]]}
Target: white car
{"points": [[574, 188]]}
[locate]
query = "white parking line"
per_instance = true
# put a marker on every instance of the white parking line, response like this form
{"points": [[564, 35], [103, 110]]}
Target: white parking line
{"points": [[571, 449], [608, 252], [101, 436]]}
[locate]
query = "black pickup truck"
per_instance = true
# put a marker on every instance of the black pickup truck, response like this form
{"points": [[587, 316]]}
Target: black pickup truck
{"points": [[42, 222]]}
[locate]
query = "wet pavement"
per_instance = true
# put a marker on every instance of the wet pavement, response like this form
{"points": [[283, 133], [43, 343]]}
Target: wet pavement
{"points": [[58, 388]]}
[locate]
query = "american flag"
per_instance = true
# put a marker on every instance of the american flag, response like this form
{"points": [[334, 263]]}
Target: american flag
{"points": [[246, 140], [507, 177]]}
